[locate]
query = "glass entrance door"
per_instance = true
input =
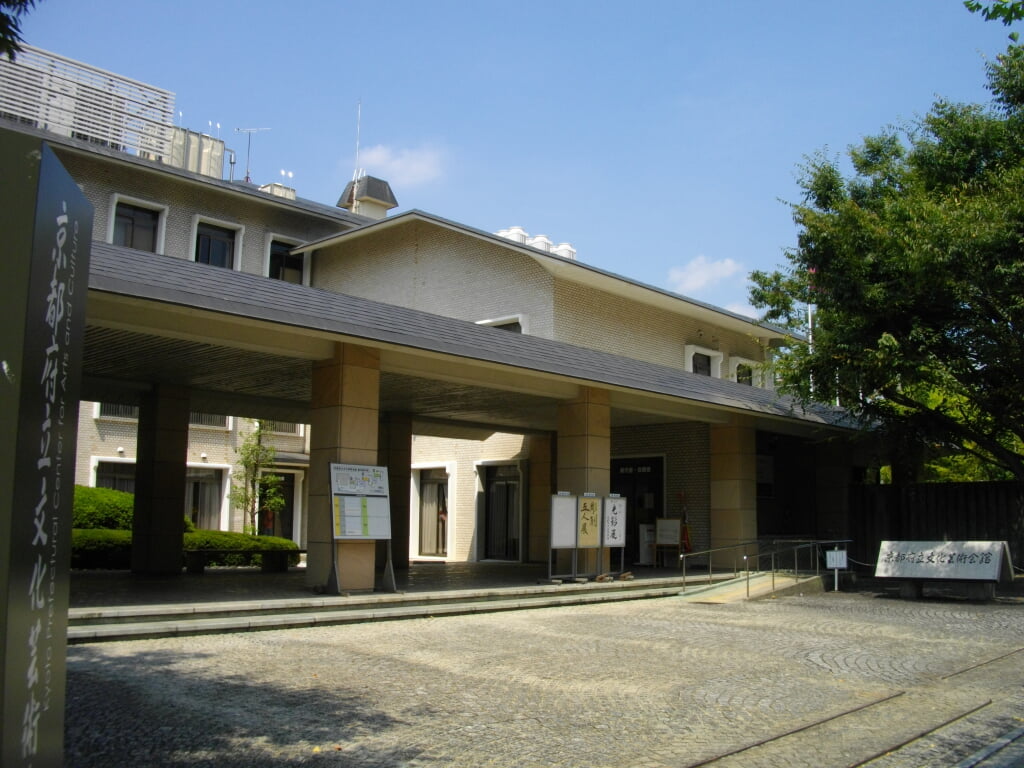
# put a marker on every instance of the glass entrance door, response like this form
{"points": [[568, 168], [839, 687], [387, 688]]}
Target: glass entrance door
{"points": [[502, 519], [434, 513], [642, 483]]}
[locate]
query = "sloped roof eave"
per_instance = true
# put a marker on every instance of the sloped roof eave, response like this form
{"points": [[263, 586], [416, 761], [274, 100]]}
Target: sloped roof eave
{"points": [[570, 270]]}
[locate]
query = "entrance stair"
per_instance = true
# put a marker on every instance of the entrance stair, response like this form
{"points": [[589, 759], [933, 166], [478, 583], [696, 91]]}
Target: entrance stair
{"points": [[128, 622]]}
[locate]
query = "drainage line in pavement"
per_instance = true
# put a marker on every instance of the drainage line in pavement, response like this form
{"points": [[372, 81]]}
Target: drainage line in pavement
{"points": [[922, 734], [980, 664], [807, 727]]}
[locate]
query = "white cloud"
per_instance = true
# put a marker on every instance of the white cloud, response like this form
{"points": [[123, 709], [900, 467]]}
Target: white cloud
{"points": [[700, 274], [402, 168]]}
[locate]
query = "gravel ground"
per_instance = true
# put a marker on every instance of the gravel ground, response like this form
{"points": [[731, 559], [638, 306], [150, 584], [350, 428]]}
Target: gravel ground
{"points": [[644, 684]]}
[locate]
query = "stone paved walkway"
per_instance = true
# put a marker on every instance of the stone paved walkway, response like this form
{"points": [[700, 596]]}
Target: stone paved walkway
{"points": [[827, 680]]}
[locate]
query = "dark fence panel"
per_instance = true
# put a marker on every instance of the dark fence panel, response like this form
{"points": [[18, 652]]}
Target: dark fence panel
{"points": [[935, 512]]}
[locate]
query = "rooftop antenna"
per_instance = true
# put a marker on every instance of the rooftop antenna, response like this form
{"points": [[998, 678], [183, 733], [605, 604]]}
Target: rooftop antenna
{"points": [[359, 120], [248, 151]]}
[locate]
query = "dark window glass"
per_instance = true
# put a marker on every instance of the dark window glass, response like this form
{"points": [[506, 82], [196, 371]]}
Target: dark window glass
{"points": [[207, 419], [745, 374], [120, 477], [118, 411], [515, 326], [284, 265], [702, 364], [215, 246], [136, 227]]}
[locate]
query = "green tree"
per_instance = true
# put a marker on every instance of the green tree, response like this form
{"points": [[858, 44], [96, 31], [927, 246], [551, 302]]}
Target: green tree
{"points": [[1006, 11], [906, 287], [254, 488], [11, 12]]}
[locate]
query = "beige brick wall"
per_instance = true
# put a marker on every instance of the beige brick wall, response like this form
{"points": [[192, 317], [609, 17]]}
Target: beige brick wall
{"points": [[591, 318], [434, 270], [464, 456], [686, 449], [100, 180]]}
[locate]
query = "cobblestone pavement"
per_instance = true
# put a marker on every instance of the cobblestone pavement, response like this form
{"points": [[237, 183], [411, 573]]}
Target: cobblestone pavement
{"points": [[827, 680]]}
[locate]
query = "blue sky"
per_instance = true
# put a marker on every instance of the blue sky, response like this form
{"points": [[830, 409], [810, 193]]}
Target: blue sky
{"points": [[660, 138]]}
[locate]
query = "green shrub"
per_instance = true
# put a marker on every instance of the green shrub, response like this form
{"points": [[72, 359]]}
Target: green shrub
{"points": [[102, 508], [100, 548], [202, 539], [111, 549]]}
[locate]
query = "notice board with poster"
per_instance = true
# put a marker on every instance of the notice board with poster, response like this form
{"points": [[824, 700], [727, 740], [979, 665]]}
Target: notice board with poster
{"points": [[563, 522], [360, 503], [614, 522]]}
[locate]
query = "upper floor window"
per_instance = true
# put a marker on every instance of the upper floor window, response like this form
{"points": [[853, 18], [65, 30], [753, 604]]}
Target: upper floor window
{"points": [[195, 418], [283, 427], [136, 227], [198, 419], [117, 411], [745, 371], [136, 223], [703, 361], [513, 323], [215, 245], [283, 264]]}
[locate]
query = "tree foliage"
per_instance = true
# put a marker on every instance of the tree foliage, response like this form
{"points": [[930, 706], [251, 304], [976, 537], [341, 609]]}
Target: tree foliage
{"points": [[914, 268], [254, 488], [11, 12], [1006, 11]]}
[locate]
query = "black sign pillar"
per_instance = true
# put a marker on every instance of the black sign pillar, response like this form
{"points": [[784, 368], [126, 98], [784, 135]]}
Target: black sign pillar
{"points": [[45, 234]]}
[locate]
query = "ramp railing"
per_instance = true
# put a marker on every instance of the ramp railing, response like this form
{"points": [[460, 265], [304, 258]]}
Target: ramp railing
{"points": [[779, 553]]}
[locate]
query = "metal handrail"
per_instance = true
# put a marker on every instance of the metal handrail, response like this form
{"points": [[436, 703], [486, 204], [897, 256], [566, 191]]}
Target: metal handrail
{"points": [[776, 549]]}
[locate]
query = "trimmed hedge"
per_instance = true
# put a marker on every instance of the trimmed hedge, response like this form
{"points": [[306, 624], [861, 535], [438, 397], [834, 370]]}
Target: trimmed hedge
{"points": [[101, 548], [112, 549], [232, 540], [102, 508]]}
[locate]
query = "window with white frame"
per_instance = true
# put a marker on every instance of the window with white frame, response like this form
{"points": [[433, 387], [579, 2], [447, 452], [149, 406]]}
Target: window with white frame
{"points": [[116, 411], [513, 323], [217, 243], [703, 361], [282, 264], [745, 371], [137, 224]]}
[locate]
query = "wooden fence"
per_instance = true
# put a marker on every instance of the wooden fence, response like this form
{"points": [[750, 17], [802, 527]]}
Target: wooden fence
{"points": [[935, 512]]}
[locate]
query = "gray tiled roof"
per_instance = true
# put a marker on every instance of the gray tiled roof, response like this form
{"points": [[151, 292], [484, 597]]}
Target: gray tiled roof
{"points": [[184, 283]]}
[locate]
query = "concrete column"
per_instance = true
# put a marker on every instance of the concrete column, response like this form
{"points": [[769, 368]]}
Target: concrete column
{"points": [[160, 467], [396, 453], [584, 453], [584, 443], [541, 486], [733, 487], [344, 428]]}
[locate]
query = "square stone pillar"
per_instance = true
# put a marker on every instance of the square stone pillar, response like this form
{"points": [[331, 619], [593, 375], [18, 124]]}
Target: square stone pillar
{"points": [[584, 453], [344, 416], [733, 489], [541, 487], [158, 523], [396, 450]]}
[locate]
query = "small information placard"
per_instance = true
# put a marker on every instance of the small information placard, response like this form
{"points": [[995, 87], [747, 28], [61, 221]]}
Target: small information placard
{"points": [[668, 531], [949, 560], [835, 559]]}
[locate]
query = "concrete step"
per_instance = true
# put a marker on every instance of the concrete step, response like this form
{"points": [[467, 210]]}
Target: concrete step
{"points": [[138, 621], [91, 625]]}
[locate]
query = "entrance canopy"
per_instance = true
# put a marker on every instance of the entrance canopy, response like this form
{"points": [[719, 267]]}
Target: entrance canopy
{"points": [[244, 345]]}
